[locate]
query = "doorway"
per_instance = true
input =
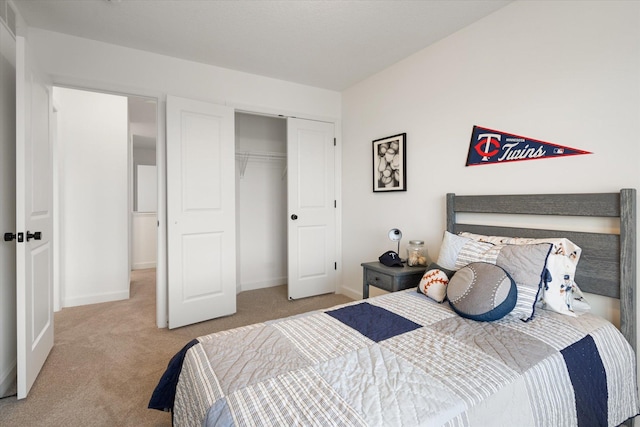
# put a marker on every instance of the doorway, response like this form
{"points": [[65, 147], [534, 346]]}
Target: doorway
{"points": [[104, 142], [261, 201], [202, 209], [143, 132], [285, 217]]}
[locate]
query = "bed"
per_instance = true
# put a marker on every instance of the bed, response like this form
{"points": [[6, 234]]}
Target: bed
{"points": [[407, 359]]}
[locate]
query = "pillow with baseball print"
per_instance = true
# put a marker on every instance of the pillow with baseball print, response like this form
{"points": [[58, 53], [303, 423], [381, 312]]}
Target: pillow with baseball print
{"points": [[434, 282], [482, 291]]}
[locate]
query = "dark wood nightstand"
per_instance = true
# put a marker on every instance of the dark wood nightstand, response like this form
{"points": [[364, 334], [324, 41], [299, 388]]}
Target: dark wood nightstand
{"points": [[390, 279]]}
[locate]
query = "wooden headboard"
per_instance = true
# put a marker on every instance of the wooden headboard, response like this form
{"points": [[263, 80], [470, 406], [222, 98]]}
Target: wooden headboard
{"points": [[607, 265]]}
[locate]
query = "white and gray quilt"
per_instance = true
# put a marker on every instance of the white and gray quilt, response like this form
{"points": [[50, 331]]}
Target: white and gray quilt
{"points": [[402, 359]]}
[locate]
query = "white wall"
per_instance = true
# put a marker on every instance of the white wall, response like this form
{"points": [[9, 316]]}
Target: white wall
{"points": [[81, 62], [7, 210], [261, 203], [566, 72], [146, 188], [77, 62], [144, 242], [143, 157], [93, 151], [144, 229]]}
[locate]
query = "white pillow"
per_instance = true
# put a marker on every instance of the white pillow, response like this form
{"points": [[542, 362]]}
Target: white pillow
{"points": [[451, 245]]}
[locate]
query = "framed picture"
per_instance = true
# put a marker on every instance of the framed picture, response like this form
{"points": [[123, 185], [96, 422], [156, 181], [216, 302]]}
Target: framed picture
{"points": [[389, 164]]}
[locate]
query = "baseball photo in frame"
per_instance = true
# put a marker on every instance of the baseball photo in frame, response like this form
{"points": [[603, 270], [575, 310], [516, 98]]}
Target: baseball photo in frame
{"points": [[389, 163]]}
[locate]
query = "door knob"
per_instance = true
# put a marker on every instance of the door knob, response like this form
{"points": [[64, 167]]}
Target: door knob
{"points": [[294, 217], [35, 236], [10, 236]]}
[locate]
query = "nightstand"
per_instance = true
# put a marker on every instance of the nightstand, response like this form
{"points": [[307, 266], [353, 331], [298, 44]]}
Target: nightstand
{"points": [[390, 279]]}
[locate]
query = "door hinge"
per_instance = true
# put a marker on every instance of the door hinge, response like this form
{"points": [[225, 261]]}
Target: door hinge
{"points": [[335, 204], [335, 265], [334, 142]]}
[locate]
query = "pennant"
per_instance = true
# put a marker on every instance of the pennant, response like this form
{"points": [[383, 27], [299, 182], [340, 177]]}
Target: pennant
{"points": [[492, 146]]}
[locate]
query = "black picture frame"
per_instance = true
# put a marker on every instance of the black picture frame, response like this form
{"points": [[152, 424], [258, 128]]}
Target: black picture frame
{"points": [[389, 164]]}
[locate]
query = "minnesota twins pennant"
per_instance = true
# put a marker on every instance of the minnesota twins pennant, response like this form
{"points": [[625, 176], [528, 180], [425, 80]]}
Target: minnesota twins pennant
{"points": [[492, 146]]}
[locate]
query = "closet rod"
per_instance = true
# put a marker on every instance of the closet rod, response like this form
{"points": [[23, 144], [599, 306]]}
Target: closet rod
{"points": [[245, 156]]}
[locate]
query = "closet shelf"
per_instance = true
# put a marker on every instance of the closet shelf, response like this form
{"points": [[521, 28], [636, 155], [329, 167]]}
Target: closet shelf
{"points": [[245, 156]]}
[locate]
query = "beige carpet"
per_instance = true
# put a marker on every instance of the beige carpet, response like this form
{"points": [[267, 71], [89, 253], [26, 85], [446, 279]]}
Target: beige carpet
{"points": [[108, 357]]}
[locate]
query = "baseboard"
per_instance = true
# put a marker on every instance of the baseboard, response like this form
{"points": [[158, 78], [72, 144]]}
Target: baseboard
{"points": [[251, 286], [95, 299], [355, 295], [143, 265], [8, 381]]}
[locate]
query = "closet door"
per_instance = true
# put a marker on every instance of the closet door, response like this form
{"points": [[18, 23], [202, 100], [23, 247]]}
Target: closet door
{"points": [[200, 211], [311, 208]]}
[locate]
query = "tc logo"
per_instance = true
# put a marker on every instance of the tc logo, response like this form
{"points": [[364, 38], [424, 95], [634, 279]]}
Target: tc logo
{"points": [[485, 142]]}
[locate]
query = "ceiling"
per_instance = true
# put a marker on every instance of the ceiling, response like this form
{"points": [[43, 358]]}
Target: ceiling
{"points": [[330, 44]]}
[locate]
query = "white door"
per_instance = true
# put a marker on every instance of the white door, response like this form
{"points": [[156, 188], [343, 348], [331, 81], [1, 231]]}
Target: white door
{"points": [[34, 196], [200, 211], [311, 208], [7, 210]]}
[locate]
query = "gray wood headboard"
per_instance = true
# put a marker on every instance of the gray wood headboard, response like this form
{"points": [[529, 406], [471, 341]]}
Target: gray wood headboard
{"points": [[607, 265]]}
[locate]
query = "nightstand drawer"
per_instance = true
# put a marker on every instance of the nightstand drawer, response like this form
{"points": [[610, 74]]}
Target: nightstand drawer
{"points": [[382, 281], [390, 279]]}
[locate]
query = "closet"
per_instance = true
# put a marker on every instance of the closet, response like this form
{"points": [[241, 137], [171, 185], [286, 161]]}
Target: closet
{"points": [[274, 224], [261, 201]]}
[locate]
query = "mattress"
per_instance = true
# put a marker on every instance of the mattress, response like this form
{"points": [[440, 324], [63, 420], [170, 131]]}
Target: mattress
{"points": [[402, 359]]}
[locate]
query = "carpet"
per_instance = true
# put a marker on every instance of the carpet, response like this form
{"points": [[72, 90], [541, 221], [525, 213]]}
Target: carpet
{"points": [[107, 358]]}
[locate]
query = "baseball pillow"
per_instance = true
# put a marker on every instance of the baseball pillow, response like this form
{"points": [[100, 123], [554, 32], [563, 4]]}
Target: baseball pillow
{"points": [[434, 282], [482, 291]]}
